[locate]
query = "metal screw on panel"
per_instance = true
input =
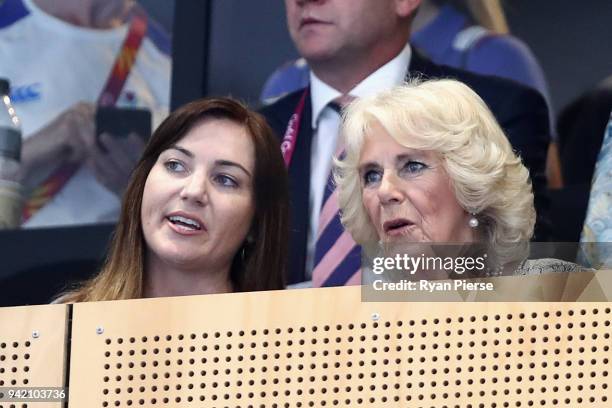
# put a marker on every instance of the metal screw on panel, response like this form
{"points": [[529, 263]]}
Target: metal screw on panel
{"points": [[99, 330], [375, 316], [35, 334]]}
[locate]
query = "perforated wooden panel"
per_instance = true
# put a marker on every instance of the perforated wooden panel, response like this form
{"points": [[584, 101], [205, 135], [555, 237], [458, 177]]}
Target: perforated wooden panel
{"points": [[32, 349], [324, 347]]}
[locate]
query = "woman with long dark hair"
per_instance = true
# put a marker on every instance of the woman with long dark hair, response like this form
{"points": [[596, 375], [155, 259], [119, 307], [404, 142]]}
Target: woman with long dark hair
{"points": [[205, 211]]}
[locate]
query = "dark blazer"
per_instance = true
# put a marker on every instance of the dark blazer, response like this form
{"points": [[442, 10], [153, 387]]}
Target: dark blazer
{"points": [[521, 111]]}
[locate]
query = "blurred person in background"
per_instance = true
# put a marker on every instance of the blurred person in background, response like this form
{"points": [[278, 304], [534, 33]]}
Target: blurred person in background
{"points": [[581, 129], [469, 34], [597, 231], [205, 211], [357, 48], [64, 57]]}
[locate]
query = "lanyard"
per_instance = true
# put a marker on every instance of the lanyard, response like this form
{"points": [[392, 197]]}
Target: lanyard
{"points": [[124, 61], [293, 127]]}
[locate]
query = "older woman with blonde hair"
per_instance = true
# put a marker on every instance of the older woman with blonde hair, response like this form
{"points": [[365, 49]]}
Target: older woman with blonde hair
{"points": [[427, 162]]}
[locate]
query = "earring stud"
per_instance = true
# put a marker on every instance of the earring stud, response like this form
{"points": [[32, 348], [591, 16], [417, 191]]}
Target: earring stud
{"points": [[473, 222]]}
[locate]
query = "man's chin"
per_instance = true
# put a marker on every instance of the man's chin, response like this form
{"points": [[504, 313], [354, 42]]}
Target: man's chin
{"points": [[316, 52]]}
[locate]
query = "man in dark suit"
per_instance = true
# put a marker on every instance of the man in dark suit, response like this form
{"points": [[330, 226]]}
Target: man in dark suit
{"points": [[356, 48]]}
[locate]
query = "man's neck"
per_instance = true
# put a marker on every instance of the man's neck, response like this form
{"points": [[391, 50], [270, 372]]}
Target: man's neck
{"points": [[345, 74], [87, 13]]}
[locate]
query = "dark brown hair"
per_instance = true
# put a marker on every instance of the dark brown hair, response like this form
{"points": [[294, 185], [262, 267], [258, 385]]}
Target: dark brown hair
{"points": [[258, 265]]}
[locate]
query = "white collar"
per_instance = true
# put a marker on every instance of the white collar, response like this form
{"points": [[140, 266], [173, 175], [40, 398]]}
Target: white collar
{"points": [[391, 74]]}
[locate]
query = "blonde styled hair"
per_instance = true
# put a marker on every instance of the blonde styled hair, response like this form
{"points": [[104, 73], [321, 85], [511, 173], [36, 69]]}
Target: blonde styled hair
{"points": [[447, 117]]}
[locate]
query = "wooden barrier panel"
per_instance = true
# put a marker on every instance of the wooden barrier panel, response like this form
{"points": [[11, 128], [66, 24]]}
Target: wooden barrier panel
{"points": [[33, 350], [324, 347]]}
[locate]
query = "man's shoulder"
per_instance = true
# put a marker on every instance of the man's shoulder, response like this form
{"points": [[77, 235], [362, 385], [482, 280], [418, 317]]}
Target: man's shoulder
{"points": [[279, 112], [286, 103], [493, 89]]}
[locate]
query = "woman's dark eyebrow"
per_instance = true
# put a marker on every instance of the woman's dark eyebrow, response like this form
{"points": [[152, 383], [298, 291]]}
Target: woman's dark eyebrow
{"points": [[182, 150], [231, 164], [188, 153]]}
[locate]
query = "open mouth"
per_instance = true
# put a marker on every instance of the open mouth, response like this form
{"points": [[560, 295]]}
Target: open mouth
{"points": [[397, 226], [184, 223]]}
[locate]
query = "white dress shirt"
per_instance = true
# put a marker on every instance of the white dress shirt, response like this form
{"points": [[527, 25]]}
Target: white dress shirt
{"points": [[325, 125]]}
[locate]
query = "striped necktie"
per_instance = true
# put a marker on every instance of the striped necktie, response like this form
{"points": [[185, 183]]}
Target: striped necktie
{"points": [[337, 258]]}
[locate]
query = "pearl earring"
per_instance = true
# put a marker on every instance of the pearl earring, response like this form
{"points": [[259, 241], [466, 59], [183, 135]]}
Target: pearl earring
{"points": [[473, 222]]}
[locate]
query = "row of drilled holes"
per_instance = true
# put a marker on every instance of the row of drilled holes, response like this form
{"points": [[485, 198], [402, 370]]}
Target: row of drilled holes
{"points": [[408, 373], [15, 344], [351, 326], [374, 350], [409, 360], [370, 400], [25, 381], [375, 337], [359, 388], [13, 357]]}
